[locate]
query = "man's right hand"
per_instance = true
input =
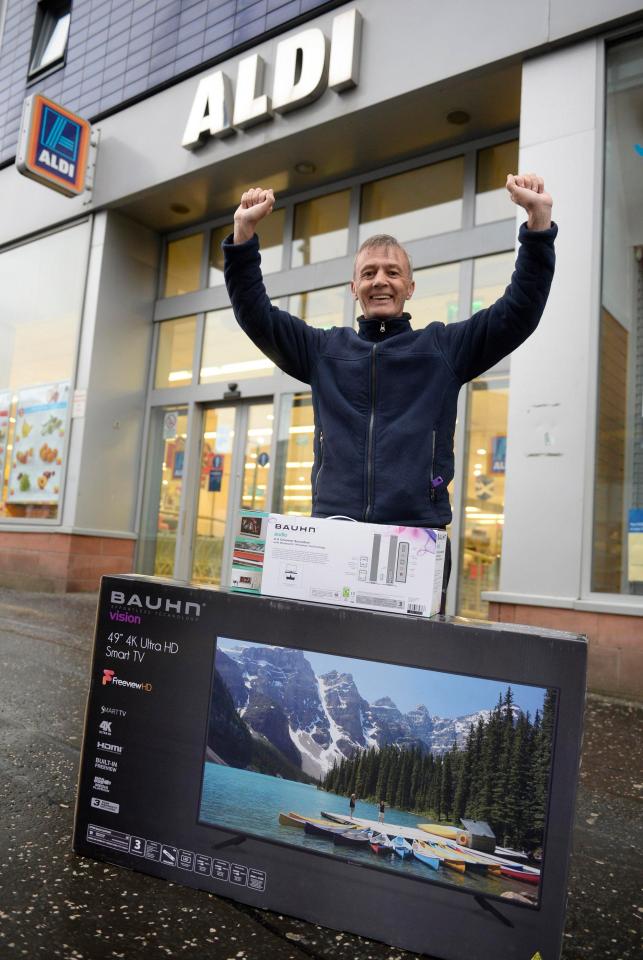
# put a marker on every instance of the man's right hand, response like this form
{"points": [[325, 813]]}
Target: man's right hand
{"points": [[256, 204]]}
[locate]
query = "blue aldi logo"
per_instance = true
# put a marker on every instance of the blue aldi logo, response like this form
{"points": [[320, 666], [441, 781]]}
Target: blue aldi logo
{"points": [[54, 145]]}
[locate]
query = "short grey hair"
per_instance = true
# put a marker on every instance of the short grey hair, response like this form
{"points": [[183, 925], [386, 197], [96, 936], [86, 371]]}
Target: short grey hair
{"points": [[383, 240]]}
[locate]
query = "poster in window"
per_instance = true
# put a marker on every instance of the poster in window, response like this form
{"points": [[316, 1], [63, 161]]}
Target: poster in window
{"points": [[498, 454], [635, 546], [38, 454], [5, 407]]}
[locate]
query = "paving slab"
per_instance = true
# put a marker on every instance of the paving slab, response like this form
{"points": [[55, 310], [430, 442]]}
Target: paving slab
{"points": [[54, 904]]}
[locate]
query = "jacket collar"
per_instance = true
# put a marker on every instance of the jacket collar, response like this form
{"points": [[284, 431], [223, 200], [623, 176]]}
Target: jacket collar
{"points": [[376, 330]]}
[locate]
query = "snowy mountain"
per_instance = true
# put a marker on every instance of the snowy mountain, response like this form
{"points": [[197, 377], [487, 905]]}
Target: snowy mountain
{"points": [[314, 721]]}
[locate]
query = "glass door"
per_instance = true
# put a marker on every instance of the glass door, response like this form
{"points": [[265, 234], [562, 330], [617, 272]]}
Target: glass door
{"points": [[234, 473], [157, 546]]}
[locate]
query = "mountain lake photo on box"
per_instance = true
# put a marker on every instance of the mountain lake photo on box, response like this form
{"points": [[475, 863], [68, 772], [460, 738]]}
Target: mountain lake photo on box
{"points": [[441, 777]]}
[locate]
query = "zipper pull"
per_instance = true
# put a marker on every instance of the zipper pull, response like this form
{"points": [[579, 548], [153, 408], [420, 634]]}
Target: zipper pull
{"points": [[433, 492], [382, 327]]}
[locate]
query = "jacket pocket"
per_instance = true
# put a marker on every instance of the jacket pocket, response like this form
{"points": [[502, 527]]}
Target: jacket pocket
{"points": [[321, 463], [435, 480]]}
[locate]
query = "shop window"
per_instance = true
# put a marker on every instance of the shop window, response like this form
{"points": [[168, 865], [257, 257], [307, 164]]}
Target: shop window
{"points": [[493, 165], [271, 240], [484, 493], [321, 229], [491, 275], [419, 203], [617, 560], [51, 33], [295, 456], [436, 295], [41, 296], [183, 265], [165, 463], [228, 353], [175, 353], [483, 500], [320, 308]]}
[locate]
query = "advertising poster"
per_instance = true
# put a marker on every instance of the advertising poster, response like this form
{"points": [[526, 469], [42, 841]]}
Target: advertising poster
{"points": [[5, 405], [635, 546], [39, 444]]}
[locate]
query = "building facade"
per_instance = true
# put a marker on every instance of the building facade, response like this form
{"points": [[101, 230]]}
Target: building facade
{"points": [[136, 418]]}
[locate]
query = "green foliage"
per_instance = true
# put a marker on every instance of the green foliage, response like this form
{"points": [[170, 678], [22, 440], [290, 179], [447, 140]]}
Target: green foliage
{"points": [[500, 774]]}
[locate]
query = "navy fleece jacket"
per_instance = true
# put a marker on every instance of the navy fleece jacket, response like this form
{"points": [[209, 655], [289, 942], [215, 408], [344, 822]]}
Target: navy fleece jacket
{"points": [[385, 401]]}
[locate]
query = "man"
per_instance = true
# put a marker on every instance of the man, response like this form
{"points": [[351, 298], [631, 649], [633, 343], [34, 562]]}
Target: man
{"points": [[385, 396]]}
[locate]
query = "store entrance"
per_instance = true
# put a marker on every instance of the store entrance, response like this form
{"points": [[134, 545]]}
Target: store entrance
{"points": [[204, 462], [234, 473]]}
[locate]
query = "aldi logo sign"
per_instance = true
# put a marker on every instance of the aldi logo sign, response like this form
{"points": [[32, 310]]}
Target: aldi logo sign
{"points": [[54, 145]]}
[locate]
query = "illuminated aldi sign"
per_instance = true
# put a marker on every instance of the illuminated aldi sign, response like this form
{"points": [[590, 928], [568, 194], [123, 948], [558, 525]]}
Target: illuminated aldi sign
{"points": [[54, 145]]}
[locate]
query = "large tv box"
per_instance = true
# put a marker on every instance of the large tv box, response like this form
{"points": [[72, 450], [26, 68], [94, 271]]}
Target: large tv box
{"points": [[404, 779]]}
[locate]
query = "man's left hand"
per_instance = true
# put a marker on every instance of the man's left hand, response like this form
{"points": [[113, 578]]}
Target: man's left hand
{"points": [[528, 190]]}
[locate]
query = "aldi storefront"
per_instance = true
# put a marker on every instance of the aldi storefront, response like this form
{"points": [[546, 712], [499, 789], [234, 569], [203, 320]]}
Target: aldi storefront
{"points": [[164, 419]]}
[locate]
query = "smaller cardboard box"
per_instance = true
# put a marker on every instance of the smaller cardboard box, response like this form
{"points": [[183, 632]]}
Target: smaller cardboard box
{"points": [[366, 565]]}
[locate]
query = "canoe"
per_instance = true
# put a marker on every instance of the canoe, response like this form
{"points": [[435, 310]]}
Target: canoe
{"points": [[318, 830], [523, 875], [380, 844], [423, 853], [352, 838], [401, 847], [445, 830], [287, 820]]}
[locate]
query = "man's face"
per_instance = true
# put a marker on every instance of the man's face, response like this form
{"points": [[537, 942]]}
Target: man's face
{"points": [[382, 282]]}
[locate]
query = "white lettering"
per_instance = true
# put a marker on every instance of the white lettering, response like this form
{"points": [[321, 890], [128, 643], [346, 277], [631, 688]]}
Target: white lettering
{"points": [[303, 68], [300, 70], [211, 111], [345, 46], [117, 597], [250, 105]]}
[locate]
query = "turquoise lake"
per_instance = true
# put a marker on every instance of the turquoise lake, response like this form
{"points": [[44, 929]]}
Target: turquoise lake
{"points": [[251, 803]]}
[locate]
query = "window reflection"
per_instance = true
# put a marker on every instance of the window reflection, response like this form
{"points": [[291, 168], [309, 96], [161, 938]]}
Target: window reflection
{"points": [[419, 203], [493, 165], [436, 295], [484, 493], [183, 265], [295, 456], [321, 229], [175, 354], [228, 353], [320, 308]]}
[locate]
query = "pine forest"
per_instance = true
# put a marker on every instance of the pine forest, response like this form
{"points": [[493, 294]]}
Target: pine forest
{"points": [[500, 775]]}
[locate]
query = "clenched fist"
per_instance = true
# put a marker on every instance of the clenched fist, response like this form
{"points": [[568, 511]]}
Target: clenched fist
{"points": [[528, 190], [256, 204]]}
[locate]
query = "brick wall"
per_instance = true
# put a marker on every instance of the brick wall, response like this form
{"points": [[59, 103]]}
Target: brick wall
{"points": [[125, 49], [615, 665], [61, 562]]}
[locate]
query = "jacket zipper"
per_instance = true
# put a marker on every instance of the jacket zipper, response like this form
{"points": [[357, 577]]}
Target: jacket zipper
{"points": [[321, 460], [369, 447], [435, 482]]}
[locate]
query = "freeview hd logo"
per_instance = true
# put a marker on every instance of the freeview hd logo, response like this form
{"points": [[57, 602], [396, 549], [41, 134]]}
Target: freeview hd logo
{"points": [[109, 677], [130, 605]]}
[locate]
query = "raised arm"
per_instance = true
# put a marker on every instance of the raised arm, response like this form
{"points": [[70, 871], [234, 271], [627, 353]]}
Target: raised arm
{"points": [[289, 342], [473, 346], [256, 204]]}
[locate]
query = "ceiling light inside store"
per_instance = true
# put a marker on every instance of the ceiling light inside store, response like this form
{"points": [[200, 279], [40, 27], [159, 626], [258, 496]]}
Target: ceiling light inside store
{"points": [[481, 452], [305, 166], [179, 375], [458, 117]]}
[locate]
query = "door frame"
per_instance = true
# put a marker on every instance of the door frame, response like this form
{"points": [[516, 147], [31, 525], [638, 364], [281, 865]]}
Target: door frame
{"points": [[188, 508]]}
